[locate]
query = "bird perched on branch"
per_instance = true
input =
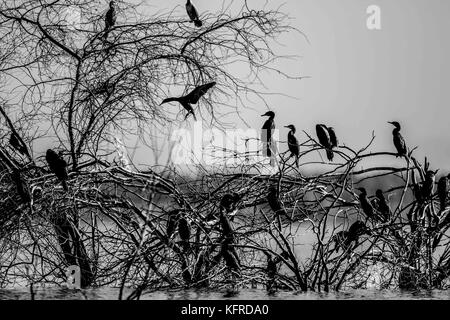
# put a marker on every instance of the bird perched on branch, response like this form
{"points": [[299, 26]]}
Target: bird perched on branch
{"points": [[110, 19], [58, 166], [294, 146], [192, 98], [193, 14], [443, 191], [267, 134], [381, 205], [366, 206], [344, 239], [184, 230], [327, 138], [399, 141], [15, 142], [274, 201]]}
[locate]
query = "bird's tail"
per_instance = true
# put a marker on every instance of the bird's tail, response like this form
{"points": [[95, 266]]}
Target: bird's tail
{"points": [[297, 164], [330, 155], [198, 23]]}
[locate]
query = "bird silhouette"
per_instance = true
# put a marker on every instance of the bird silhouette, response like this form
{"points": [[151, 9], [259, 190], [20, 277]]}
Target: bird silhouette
{"points": [[333, 138], [193, 14], [294, 146], [382, 205], [15, 142], [274, 201], [58, 166], [192, 98], [443, 191], [345, 239], [110, 19], [399, 141], [366, 206], [267, 134], [323, 134]]}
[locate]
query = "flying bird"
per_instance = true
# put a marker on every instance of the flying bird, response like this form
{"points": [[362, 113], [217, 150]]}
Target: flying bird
{"points": [[58, 166], [324, 136], [193, 14], [294, 146], [110, 18], [399, 141], [267, 134], [192, 98]]}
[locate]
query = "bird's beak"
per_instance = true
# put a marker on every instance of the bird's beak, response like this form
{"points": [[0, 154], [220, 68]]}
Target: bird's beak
{"points": [[263, 115], [391, 123]]}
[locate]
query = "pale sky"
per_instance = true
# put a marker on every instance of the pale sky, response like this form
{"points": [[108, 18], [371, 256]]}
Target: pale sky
{"points": [[360, 78]]}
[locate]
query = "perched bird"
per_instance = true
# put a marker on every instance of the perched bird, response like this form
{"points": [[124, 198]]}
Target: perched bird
{"points": [[267, 134], [294, 146], [344, 239], [229, 203], [17, 144], [193, 14], [192, 98], [443, 191], [227, 229], [429, 185], [58, 166], [399, 141], [184, 230], [333, 138], [21, 186], [274, 201], [110, 19], [325, 140], [366, 206], [382, 205]]}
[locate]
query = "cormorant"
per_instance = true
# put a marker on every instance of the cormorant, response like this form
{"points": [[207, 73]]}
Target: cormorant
{"points": [[192, 98], [429, 185], [193, 14], [333, 138], [294, 146], [443, 191], [366, 206], [382, 205], [22, 188], [399, 141], [325, 140], [110, 18], [344, 239], [229, 203], [267, 132], [274, 201], [184, 230], [58, 166], [17, 145]]}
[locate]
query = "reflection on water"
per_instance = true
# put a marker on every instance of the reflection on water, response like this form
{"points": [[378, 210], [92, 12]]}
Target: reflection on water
{"points": [[113, 294]]}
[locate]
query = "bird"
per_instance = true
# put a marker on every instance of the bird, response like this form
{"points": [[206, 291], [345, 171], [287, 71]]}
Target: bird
{"points": [[267, 132], [294, 146], [382, 205], [229, 203], [333, 137], [399, 141], [192, 98], [193, 14], [344, 239], [184, 230], [21, 186], [274, 201], [58, 166], [442, 191], [429, 185], [17, 144], [325, 140], [366, 206], [110, 18]]}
